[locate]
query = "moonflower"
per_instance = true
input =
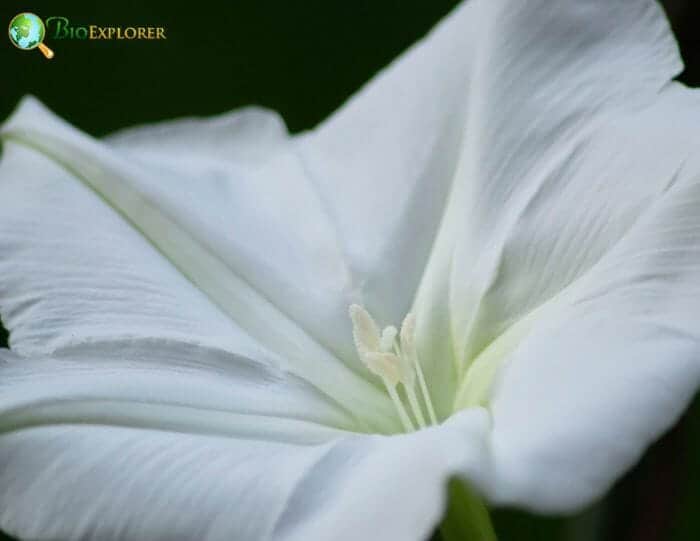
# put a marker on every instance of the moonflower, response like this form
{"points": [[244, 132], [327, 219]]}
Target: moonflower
{"points": [[483, 272]]}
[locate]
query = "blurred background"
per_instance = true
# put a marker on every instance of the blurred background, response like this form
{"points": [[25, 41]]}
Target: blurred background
{"points": [[304, 59]]}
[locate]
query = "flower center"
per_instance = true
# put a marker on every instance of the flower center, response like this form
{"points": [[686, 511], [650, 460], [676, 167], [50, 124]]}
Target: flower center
{"points": [[393, 357]]}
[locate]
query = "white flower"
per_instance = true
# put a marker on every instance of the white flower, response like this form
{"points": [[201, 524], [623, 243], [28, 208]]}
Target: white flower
{"points": [[525, 183]]}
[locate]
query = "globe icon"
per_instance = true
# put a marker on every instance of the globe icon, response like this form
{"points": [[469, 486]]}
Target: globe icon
{"points": [[27, 32]]}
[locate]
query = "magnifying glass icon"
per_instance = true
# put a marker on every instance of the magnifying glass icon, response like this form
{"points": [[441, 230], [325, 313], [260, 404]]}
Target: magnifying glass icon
{"points": [[27, 32]]}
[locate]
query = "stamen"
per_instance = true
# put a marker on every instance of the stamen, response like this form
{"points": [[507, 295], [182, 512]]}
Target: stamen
{"points": [[415, 407], [408, 348], [386, 366], [405, 419], [393, 362], [364, 331]]}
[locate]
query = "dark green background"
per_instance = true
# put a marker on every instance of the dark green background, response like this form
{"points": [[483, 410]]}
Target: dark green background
{"points": [[303, 59]]}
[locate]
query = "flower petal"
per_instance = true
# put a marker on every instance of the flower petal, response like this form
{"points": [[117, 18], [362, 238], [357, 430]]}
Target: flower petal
{"points": [[113, 455], [384, 163], [76, 272], [161, 384], [572, 129], [351, 206], [611, 366]]}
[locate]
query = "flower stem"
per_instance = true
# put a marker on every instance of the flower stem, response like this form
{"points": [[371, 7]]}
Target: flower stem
{"points": [[466, 517]]}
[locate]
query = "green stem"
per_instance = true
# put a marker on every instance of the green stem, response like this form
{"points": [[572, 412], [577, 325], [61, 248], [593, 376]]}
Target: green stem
{"points": [[466, 517]]}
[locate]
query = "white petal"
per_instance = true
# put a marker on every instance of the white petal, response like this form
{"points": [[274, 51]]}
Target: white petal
{"points": [[572, 129], [353, 205], [387, 488], [77, 482], [611, 366], [384, 163], [165, 385], [91, 462], [74, 270]]}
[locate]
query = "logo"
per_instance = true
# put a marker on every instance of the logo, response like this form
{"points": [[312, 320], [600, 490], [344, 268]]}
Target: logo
{"points": [[61, 28], [27, 32]]}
